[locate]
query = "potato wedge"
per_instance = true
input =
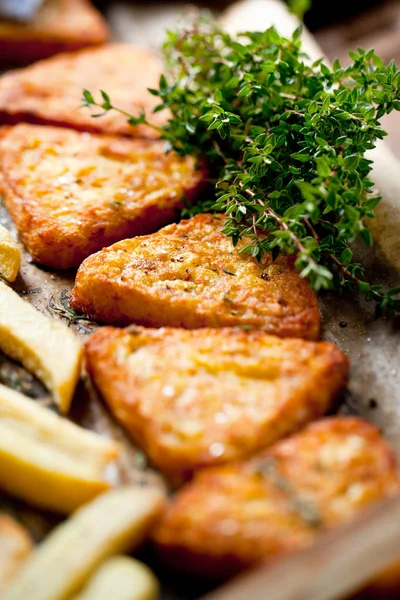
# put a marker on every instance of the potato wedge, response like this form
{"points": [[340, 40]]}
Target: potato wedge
{"points": [[47, 460], [15, 547], [10, 255], [121, 578], [114, 522], [45, 347]]}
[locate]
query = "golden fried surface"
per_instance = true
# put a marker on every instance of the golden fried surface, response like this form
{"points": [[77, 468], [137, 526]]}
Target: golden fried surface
{"points": [[203, 397], [50, 91], [58, 25], [234, 516], [72, 193], [190, 275]]}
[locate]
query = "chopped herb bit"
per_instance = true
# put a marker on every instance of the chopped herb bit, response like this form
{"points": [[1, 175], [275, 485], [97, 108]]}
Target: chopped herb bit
{"points": [[305, 509], [66, 312], [229, 272], [141, 461], [32, 291], [16, 377]]}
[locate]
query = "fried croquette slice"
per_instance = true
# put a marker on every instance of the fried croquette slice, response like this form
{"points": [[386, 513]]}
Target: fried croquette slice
{"points": [[70, 193], [204, 397], [233, 517], [190, 275], [57, 26], [49, 91]]}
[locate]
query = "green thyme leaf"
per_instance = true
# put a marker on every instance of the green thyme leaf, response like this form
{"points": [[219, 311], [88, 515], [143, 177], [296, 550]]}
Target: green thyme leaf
{"points": [[284, 141]]}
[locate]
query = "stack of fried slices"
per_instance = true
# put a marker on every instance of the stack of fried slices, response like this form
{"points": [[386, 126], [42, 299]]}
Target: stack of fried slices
{"points": [[220, 376]]}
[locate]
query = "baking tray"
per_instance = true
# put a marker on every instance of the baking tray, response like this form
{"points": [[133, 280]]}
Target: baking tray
{"points": [[341, 560]]}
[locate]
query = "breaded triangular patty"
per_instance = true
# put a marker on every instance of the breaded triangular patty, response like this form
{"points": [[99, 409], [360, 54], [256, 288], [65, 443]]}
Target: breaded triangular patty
{"points": [[203, 397], [50, 91], [235, 516], [190, 275], [57, 26], [70, 193]]}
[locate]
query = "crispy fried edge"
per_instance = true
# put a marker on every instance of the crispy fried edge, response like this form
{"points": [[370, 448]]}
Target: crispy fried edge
{"points": [[90, 294], [50, 245], [197, 561], [179, 464]]}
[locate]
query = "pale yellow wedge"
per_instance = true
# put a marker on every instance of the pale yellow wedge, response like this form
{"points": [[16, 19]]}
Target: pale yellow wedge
{"points": [[115, 522], [121, 578], [47, 348], [15, 547], [47, 460], [10, 255]]}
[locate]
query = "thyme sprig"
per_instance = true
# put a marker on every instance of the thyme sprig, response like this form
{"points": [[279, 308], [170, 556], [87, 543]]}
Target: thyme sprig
{"points": [[285, 142], [64, 311]]}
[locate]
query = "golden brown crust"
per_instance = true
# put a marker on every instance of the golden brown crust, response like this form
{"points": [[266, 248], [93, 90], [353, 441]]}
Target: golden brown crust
{"points": [[235, 516], [70, 194], [190, 275], [50, 91], [58, 26], [197, 398]]}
